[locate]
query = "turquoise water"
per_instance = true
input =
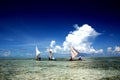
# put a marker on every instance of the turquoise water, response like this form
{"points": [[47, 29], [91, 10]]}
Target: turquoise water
{"points": [[61, 69]]}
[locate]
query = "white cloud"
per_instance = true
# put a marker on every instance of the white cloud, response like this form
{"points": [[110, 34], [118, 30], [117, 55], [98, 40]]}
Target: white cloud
{"points": [[109, 50], [81, 38], [57, 48], [117, 49], [52, 47], [52, 43], [92, 50], [6, 53], [100, 51]]}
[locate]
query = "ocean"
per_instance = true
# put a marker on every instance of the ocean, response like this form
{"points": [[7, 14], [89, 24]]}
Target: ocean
{"points": [[97, 68]]}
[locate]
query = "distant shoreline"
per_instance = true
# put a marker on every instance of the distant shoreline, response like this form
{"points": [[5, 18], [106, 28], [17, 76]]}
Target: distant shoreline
{"points": [[57, 59]]}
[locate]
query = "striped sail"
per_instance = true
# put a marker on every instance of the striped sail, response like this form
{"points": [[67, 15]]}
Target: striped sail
{"points": [[74, 52]]}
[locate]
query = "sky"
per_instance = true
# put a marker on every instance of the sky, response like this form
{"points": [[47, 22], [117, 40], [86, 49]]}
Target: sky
{"points": [[91, 26]]}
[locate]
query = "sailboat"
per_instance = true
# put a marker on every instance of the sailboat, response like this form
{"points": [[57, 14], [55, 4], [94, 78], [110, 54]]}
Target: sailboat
{"points": [[51, 55], [74, 53], [37, 54]]}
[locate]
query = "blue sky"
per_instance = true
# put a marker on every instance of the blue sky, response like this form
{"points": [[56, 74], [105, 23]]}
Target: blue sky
{"points": [[25, 24]]}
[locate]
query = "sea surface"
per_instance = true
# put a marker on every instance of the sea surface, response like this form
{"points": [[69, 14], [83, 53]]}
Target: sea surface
{"points": [[99, 68]]}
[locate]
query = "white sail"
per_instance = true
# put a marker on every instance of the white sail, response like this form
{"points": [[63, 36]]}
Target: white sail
{"points": [[50, 53], [74, 52], [37, 52]]}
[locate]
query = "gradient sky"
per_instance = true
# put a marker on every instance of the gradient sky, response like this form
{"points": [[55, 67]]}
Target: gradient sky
{"points": [[24, 24]]}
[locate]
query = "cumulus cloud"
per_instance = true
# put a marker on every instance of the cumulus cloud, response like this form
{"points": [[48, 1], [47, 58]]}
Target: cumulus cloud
{"points": [[117, 49], [109, 50], [92, 50], [81, 38], [52, 43]]}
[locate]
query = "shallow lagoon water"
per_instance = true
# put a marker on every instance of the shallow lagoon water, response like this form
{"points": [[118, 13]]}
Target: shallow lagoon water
{"points": [[61, 69]]}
